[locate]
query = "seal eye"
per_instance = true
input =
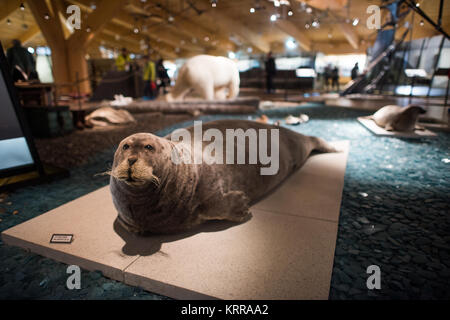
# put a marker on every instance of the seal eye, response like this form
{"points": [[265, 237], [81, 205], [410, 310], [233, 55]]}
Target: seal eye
{"points": [[125, 147], [148, 147]]}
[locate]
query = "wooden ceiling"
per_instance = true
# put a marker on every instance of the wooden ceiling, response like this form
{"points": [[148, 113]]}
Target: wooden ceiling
{"points": [[183, 28]]}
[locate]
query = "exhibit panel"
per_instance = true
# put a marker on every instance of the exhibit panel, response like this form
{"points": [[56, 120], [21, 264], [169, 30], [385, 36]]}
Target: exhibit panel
{"points": [[14, 149]]}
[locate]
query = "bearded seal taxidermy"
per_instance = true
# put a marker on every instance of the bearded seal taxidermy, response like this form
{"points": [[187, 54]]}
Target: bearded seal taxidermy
{"points": [[154, 194], [396, 118]]}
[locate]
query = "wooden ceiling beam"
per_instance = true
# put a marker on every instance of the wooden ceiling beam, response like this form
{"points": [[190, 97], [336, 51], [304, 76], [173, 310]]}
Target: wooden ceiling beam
{"points": [[292, 30], [8, 7], [105, 10], [127, 23], [326, 4], [350, 34], [190, 29], [29, 35]]}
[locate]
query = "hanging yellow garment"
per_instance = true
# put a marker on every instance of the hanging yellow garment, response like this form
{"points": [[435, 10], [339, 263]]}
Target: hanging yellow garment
{"points": [[149, 71], [122, 61]]}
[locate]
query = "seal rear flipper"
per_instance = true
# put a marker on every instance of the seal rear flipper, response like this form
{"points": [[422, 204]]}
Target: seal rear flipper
{"points": [[322, 146]]}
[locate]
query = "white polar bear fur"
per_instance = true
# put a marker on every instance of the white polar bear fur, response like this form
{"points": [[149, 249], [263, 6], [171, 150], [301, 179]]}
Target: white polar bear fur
{"points": [[209, 77]]}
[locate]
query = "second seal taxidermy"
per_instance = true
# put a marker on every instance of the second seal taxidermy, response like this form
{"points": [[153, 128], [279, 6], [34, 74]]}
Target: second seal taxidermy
{"points": [[396, 118], [152, 194], [208, 77]]}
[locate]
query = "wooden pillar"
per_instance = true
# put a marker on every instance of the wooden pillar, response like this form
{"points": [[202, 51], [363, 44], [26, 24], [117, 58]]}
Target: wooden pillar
{"points": [[69, 55]]}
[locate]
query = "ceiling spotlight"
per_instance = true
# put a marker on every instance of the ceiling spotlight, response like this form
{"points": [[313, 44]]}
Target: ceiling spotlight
{"points": [[276, 3], [290, 13], [290, 44], [231, 55], [355, 22], [315, 24], [206, 39], [307, 26], [417, 4], [171, 18], [136, 30], [273, 17], [213, 3], [22, 7], [252, 10], [46, 16], [308, 10], [421, 23]]}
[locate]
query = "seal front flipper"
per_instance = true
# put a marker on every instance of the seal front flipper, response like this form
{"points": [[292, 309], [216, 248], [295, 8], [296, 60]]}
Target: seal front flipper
{"points": [[234, 207], [238, 205]]}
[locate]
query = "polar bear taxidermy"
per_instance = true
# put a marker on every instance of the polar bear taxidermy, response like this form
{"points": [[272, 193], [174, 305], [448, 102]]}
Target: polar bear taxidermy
{"points": [[209, 77]]}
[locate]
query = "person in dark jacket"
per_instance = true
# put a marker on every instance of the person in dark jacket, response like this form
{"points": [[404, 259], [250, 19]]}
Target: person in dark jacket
{"points": [[355, 71], [270, 73], [21, 62], [335, 78], [164, 79]]}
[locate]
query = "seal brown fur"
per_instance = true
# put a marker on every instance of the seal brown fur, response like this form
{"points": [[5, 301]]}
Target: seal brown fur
{"points": [[396, 118], [153, 194]]}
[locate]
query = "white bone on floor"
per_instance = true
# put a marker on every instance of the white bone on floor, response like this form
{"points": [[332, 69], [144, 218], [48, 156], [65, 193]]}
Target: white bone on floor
{"points": [[285, 251], [370, 125]]}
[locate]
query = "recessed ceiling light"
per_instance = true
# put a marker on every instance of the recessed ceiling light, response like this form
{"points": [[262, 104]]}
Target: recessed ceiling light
{"points": [[252, 10], [273, 17], [290, 13], [355, 22], [308, 10]]}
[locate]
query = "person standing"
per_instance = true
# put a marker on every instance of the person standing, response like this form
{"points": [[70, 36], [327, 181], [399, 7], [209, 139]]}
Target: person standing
{"points": [[355, 71], [123, 60], [335, 78], [149, 78], [162, 76], [21, 62], [270, 72], [327, 77]]}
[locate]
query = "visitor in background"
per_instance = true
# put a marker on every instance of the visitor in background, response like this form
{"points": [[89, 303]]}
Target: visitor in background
{"points": [[327, 76], [21, 62], [335, 78], [149, 78], [123, 61], [355, 71], [270, 72], [163, 77]]}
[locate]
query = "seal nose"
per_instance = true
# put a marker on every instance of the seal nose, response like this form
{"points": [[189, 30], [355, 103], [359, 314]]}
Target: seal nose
{"points": [[132, 160]]}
